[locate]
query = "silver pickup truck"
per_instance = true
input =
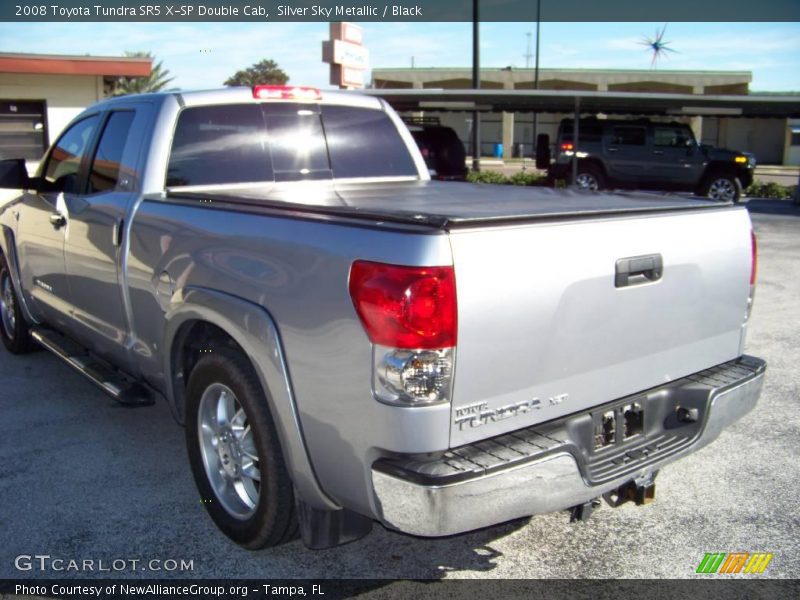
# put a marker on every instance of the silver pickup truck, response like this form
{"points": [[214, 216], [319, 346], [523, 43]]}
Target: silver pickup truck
{"points": [[347, 341]]}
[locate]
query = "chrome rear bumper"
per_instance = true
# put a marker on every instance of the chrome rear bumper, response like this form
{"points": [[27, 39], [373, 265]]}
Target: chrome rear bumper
{"points": [[555, 466]]}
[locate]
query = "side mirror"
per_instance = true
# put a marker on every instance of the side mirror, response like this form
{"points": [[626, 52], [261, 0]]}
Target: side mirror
{"points": [[13, 174]]}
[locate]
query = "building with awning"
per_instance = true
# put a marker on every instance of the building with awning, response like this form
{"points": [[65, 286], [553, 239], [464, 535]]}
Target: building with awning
{"points": [[40, 94], [717, 104]]}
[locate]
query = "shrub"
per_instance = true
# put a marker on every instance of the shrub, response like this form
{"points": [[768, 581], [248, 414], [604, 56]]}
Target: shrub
{"points": [[495, 177], [774, 190], [527, 178], [487, 177]]}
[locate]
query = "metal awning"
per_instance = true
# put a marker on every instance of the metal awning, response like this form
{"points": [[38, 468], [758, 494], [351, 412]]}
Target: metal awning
{"points": [[564, 101]]}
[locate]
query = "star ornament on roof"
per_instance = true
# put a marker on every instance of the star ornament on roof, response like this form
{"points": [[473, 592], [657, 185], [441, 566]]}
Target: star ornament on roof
{"points": [[657, 46]]}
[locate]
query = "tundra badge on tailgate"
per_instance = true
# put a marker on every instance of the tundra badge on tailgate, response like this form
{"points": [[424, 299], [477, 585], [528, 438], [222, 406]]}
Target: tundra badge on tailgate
{"points": [[475, 415]]}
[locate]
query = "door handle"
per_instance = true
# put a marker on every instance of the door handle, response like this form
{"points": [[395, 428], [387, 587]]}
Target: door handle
{"points": [[636, 270], [658, 152], [613, 149], [58, 220]]}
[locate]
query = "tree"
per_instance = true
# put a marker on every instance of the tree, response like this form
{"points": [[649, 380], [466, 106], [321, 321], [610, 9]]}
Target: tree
{"points": [[156, 81], [264, 72]]}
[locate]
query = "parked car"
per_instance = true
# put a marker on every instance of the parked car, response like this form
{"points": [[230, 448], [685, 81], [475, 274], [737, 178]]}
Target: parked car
{"points": [[645, 154], [441, 148], [346, 340]]}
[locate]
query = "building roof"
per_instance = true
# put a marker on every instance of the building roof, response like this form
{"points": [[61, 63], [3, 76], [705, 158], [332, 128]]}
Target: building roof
{"points": [[512, 77], [549, 70], [561, 101], [116, 66]]}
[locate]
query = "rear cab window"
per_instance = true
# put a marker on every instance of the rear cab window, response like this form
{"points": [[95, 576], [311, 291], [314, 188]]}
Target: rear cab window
{"points": [[296, 142], [365, 143], [218, 145], [284, 142]]}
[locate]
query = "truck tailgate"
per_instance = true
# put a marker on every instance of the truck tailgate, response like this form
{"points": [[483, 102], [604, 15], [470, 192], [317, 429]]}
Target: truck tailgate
{"points": [[551, 324]]}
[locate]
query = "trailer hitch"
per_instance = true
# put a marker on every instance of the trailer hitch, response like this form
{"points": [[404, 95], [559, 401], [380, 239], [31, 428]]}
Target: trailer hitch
{"points": [[641, 491]]}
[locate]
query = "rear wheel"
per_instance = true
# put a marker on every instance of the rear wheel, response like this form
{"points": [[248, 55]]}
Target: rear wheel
{"points": [[235, 454], [13, 328], [723, 187], [590, 178]]}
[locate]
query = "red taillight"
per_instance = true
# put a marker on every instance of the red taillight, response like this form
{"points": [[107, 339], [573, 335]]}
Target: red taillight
{"points": [[286, 92], [567, 146], [753, 258], [405, 307]]}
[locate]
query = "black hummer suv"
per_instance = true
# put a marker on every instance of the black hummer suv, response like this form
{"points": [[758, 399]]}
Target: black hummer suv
{"points": [[649, 155]]}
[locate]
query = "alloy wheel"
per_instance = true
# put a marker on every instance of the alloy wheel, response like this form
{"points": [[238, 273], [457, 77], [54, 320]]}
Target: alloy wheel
{"points": [[229, 452]]}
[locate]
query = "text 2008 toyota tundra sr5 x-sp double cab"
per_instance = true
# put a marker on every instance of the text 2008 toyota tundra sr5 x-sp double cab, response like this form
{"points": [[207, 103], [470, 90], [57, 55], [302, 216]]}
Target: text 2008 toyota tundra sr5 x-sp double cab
{"points": [[347, 341]]}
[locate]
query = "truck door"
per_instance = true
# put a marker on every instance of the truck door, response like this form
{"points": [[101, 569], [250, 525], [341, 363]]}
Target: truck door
{"points": [[625, 153], [93, 246], [676, 160], [43, 224]]}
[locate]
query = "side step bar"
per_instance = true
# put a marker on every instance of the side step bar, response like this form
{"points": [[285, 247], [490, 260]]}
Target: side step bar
{"points": [[119, 386]]}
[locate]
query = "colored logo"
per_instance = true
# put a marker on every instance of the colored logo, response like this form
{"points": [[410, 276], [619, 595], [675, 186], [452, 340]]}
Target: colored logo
{"points": [[734, 562]]}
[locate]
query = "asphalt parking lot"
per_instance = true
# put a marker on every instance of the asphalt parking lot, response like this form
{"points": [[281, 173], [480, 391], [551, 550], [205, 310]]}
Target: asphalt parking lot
{"points": [[83, 478]]}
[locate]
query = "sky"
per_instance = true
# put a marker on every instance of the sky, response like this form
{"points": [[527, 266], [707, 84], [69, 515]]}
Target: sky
{"points": [[204, 55]]}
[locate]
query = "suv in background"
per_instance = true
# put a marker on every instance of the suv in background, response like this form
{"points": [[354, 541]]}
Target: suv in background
{"points": [[441, 148], [649, 155]]}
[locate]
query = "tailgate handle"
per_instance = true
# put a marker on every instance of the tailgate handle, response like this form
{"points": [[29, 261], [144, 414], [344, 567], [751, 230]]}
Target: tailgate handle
{"points": [[636, 270]]}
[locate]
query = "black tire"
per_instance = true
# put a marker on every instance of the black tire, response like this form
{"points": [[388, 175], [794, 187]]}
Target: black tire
{"points": [[722, 187], [273, 521], [590, 177], [14, 330]]}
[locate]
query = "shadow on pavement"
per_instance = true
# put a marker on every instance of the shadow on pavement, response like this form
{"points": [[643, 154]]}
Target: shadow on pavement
{"points": [[769, 206]]}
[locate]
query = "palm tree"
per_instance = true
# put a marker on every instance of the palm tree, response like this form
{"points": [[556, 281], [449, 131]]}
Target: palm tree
{"points": [[154, 82]]}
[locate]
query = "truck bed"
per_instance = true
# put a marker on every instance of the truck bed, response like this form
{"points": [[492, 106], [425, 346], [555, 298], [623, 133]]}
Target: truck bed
{"points": [[445, 205], [539, 304]]}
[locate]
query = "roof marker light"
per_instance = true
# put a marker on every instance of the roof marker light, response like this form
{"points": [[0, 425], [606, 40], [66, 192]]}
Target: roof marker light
{"points": [[286, 92]]}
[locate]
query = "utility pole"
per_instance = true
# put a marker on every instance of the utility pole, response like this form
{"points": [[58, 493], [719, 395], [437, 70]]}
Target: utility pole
{"points": [[476, 84], [536, 74], [538, 22]]}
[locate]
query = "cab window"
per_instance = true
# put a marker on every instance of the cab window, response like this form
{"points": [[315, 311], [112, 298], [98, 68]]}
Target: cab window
{"points": [[671, 137], [105, 171], [65, 159], [628, 136]]}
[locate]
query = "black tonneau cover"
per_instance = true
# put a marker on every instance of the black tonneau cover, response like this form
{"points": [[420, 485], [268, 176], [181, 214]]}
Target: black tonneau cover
{"points": [[441, 204]]}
